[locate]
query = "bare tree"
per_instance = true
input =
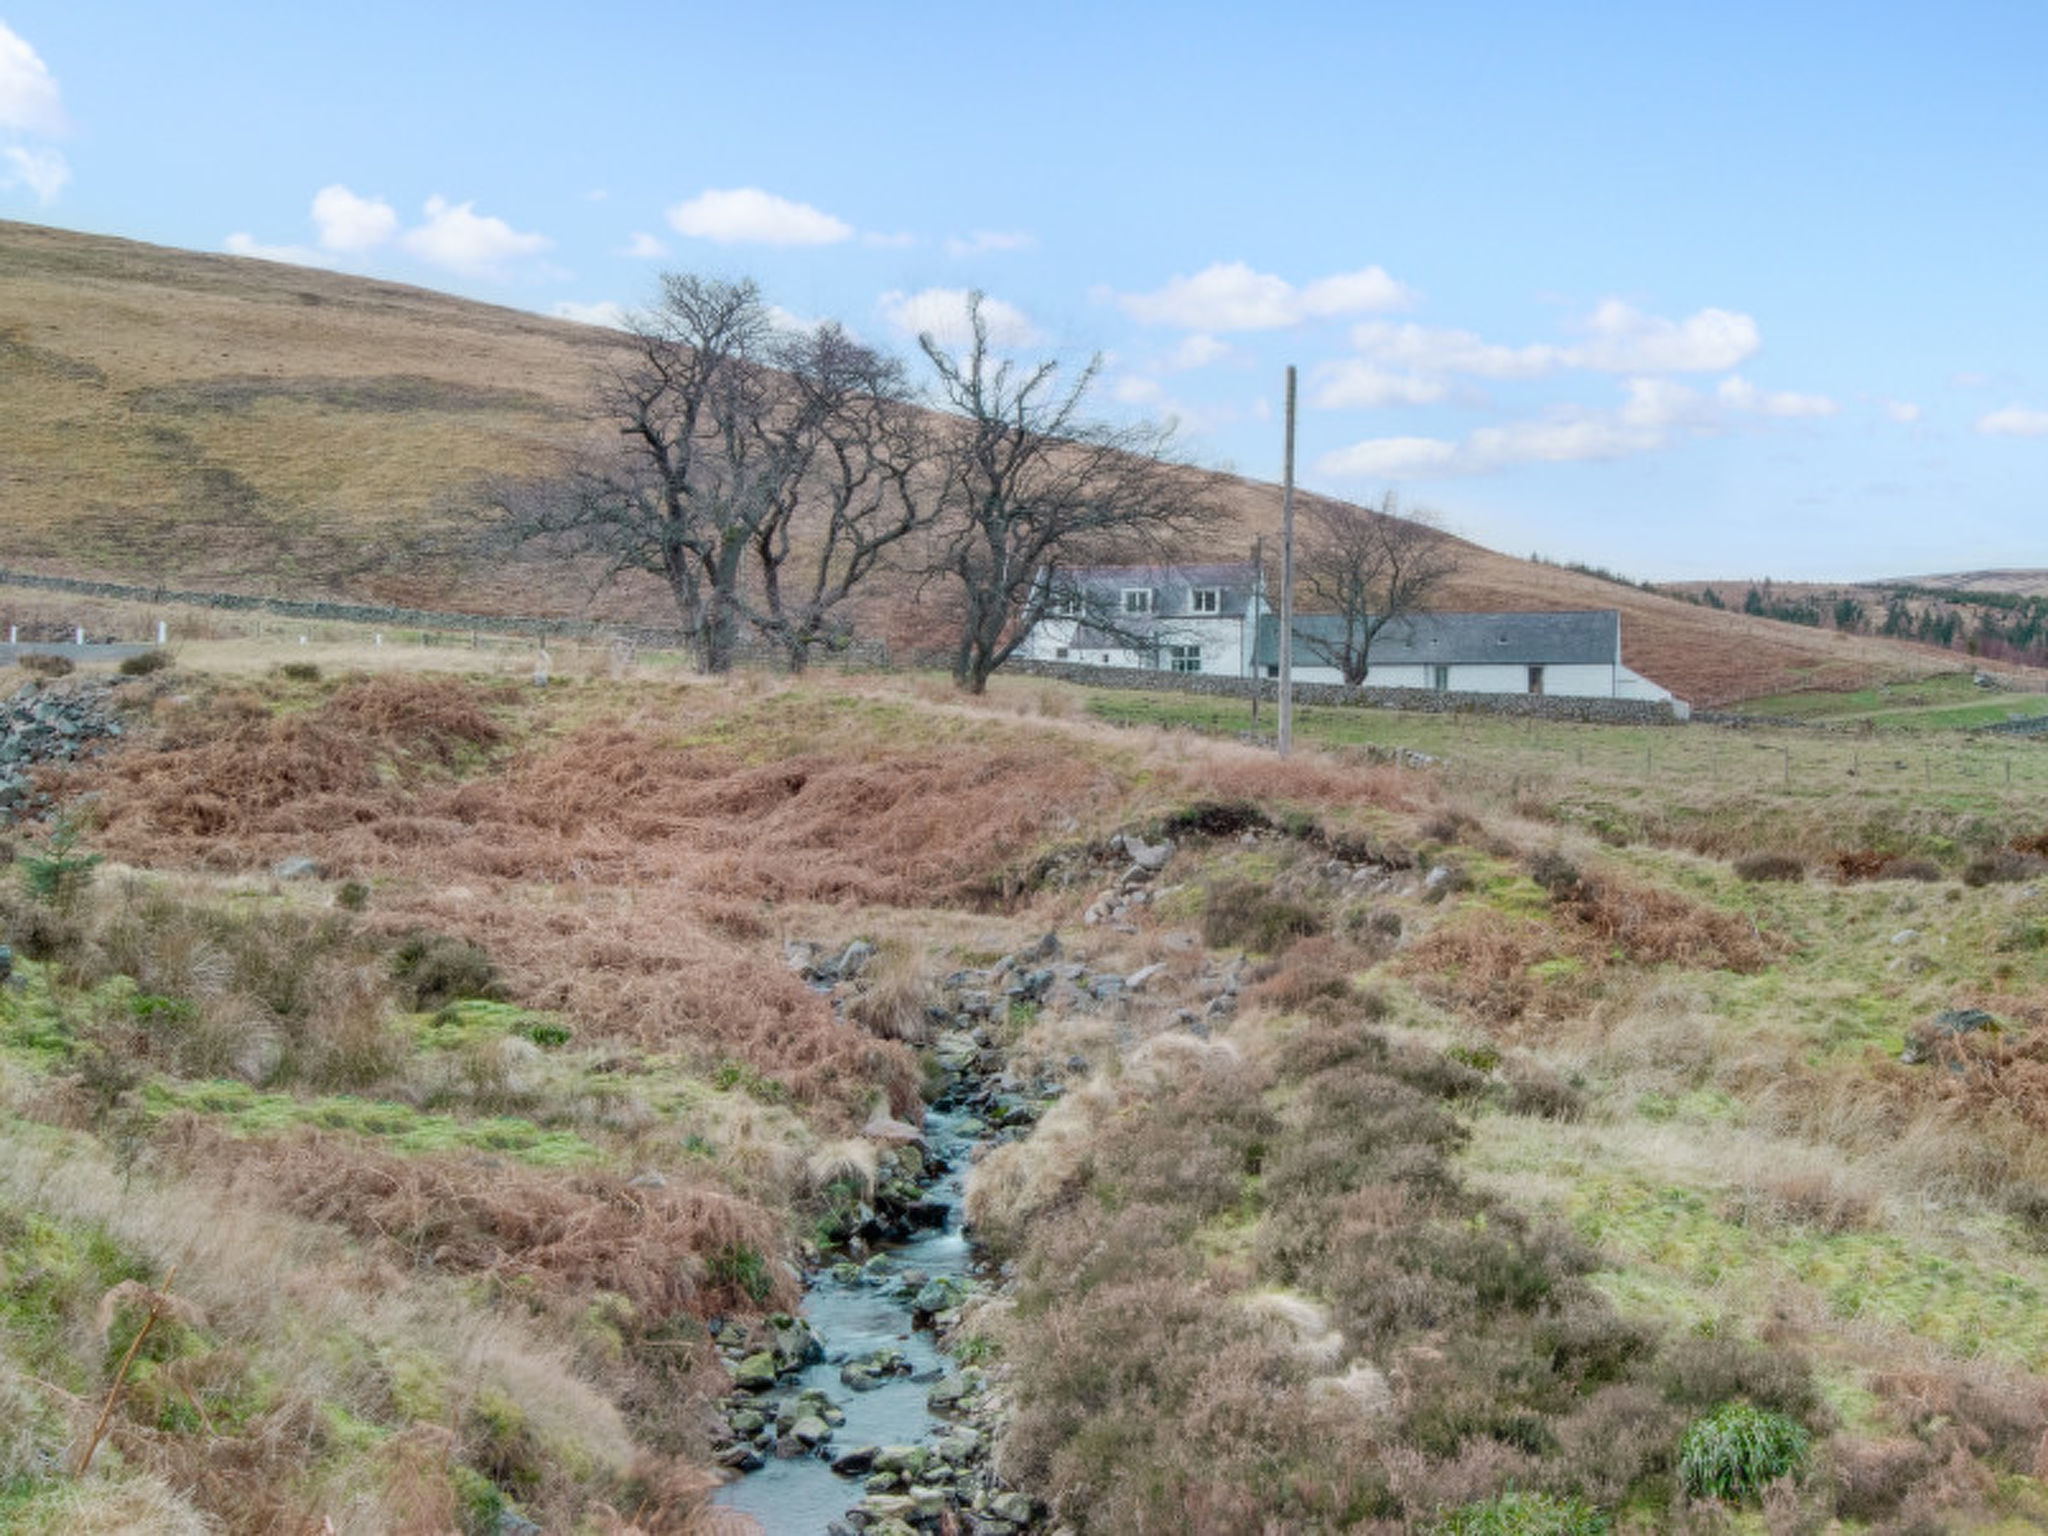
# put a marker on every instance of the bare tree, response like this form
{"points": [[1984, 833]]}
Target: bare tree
{"points": [[1368, 569], [1030, 489], [737, 453], [839, 489]]}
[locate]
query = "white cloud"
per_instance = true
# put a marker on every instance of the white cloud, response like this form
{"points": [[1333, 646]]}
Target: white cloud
{"points": [[986, 240], [1970, 380], [1625, 340], [1431, 350], [29, 99], [41, 170], [1359, 384], [748, 215], [1390, 458], [604, 312], [1231, 296], [2014, 421], [1904, 412], [1135, 389], [942, 312], [898, 242], [457, 237], [241, 244], [349, 223], [1354, 293], [1739, 394], [1198, 351], [1654, 411], [644, 247]]}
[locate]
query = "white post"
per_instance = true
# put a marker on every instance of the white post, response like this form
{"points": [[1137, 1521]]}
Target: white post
{"points": [[14, 634], [380, 638], [81, 634], [163, 631], [302, 639]]}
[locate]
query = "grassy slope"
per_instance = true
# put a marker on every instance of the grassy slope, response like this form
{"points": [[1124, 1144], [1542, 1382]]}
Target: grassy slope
{"points": [[217, 420]]}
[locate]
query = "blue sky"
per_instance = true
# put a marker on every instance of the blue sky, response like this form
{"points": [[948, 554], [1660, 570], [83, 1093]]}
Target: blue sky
{"points": [[1728, 291]]}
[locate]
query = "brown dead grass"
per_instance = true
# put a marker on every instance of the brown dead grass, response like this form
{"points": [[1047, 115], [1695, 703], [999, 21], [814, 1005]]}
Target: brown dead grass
{"points": [[1484, 961], [562, 1233]]}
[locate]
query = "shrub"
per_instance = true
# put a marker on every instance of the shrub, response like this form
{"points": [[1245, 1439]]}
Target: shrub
{"points": [[1926, 871], [1755, 867], [1241, 914], [1556, 874], [436, 968], [1522, 1514], [299, 672], [44, 664], [142, 663], [1737, 1451], [1699, 1372], [58, 874], [2004, 867]]}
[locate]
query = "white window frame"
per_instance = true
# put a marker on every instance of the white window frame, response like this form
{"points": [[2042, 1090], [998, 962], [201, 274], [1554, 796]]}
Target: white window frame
{"points": [[1184, 658], [1066, 605], [1206, 600], [1137, 601]]}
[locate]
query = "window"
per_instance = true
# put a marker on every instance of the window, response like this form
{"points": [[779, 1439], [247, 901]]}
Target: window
{"points": [[1205, 600], [1272, 670], [1440, 677], [1137, 599], [1185, 658], [1060, 654], [1065, 605], [1535, 679]]}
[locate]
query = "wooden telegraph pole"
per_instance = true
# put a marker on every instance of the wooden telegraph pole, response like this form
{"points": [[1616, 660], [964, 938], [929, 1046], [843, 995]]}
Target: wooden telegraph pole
{"points": [[1286, 737]]}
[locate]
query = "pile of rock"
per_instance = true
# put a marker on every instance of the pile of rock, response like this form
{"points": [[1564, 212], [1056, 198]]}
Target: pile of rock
{"points": [[41, 726], [1134, 887]]}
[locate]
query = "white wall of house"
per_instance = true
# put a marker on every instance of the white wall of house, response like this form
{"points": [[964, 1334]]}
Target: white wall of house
{"points": [[1570, 681], [1219, 646]]}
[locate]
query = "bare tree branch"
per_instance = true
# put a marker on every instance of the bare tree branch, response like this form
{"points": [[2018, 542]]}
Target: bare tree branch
{"points": [[1031, 489], [1368, 569]]}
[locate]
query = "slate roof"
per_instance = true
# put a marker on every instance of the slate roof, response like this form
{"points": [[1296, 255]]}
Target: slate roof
{"points": [[1170, 586], [1461, 639]]}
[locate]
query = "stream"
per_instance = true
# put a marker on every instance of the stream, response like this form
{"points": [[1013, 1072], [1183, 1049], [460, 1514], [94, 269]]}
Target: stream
{"points": [[864, 1314]]}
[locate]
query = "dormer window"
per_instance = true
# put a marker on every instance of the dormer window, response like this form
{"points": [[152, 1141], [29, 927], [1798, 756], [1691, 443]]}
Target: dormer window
{"points": [[1205, 600], [1066, 605], [1137, 600]]}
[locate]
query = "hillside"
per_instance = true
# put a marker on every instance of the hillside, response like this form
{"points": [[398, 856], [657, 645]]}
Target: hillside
{"points": [[215, 421]]}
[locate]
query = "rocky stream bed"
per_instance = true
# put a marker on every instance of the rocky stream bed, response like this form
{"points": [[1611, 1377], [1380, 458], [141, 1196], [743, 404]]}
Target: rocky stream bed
{"points": [[854, 1416]]}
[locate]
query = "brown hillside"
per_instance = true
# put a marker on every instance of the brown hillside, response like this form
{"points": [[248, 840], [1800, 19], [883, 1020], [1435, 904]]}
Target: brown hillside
{"points": [[218, 421]]}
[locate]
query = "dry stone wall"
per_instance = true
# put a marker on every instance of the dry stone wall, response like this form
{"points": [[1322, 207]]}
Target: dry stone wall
{"points": [[1421, 700], [871, 653]]}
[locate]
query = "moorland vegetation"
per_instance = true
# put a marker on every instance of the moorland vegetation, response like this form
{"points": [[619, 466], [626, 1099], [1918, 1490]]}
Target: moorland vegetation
{"points": [[1584, 1139]]}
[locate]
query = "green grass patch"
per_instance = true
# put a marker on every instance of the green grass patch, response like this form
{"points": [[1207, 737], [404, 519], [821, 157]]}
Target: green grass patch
{"points": [[249, 1112]]}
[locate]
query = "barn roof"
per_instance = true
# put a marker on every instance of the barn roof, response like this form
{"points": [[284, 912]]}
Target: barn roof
{"points": [[1461, 639]]}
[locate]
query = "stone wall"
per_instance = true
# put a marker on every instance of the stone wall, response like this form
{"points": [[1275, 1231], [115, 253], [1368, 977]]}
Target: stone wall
{"points": [[862, 653], [1422, 700]]}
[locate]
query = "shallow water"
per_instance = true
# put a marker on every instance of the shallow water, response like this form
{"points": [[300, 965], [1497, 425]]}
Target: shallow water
{"points": [[802, 1495]]}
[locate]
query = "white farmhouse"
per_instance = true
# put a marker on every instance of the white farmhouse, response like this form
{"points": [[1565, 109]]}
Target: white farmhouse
{"points": [[1215, 619], [1182, 618]]}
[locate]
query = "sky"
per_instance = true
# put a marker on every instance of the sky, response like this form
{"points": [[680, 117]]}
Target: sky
{"points": [[1728, 291]]}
